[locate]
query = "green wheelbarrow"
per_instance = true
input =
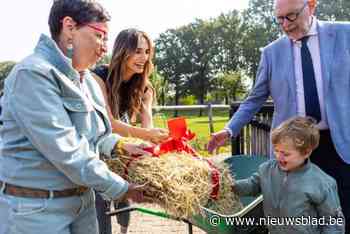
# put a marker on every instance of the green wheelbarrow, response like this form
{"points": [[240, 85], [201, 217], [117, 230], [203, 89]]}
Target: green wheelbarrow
{"points": [[241, 166]]}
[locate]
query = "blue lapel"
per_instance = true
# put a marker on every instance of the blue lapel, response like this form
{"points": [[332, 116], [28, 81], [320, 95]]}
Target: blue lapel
{"points": [[327, 43], [289, 55]]}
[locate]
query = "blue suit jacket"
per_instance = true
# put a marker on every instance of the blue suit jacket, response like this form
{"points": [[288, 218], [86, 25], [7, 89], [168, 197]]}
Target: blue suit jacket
{"points": [[276, 78]]}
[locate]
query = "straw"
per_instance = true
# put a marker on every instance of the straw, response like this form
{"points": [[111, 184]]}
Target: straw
{"points": [[179, 182]]}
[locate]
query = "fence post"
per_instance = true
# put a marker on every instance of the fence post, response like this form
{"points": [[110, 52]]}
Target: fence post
{"points": [[210, 116]]}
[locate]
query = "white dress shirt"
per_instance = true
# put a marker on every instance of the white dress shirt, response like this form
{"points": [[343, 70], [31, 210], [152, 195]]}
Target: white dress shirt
{"points": [[314, 48]]}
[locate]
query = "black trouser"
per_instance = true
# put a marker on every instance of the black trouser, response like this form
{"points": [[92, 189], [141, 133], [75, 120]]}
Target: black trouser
{"points": [[326, 157], [104, 221]]}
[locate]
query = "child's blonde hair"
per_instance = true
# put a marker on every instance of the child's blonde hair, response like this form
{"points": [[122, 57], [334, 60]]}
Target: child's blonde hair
{"points": [[301, 130]]}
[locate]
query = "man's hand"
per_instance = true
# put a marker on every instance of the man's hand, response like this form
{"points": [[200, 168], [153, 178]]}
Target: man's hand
{"points": [[218, 139]]}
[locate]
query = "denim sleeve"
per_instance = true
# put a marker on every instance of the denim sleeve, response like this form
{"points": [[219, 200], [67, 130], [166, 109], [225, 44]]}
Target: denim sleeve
{"points": [[255, 99], [107, 145], [328, 207], [249, 186], [38, 109]]}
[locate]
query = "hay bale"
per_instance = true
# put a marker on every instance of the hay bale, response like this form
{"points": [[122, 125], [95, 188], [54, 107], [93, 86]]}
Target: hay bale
{"points": [[179, 182]]}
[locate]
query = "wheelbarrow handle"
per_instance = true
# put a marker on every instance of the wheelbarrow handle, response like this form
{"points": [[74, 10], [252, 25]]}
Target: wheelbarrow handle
{"points": [[151, 212], [146, 211], [122, 210]]}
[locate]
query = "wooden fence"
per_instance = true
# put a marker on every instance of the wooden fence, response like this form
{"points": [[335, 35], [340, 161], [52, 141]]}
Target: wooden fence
{"points": [[209, 107], [254, 138]]}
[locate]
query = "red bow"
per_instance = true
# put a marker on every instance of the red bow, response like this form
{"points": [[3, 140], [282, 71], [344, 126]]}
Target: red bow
{"points": [[172, 144], [177, 142]]}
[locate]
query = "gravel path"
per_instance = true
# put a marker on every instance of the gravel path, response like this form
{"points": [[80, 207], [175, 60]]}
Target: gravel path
{"points": [[149, 224]]}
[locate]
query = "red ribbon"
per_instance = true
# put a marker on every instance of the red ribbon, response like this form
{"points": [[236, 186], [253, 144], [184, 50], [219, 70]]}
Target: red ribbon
{"points": [[215, 181], [178, 142], [172, 144]]}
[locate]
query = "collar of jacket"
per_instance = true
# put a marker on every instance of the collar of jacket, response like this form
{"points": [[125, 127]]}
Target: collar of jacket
{"points": [[48, 48], [302, 168]]}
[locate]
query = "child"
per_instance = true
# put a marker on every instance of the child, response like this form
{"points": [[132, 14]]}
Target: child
{"points": [[293, 188]]}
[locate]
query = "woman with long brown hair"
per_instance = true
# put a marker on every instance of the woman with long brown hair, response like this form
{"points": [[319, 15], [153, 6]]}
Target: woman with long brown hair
{"points": [[128, 91], [129, 94]]}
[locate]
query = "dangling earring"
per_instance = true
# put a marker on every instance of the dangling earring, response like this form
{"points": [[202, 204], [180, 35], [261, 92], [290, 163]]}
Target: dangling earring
{"points": [[70, 50]]}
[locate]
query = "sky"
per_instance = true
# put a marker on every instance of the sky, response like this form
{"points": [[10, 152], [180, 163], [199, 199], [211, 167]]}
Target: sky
{"points": [[24, 20]]}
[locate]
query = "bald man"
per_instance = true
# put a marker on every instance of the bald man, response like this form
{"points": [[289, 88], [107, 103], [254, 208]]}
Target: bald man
{"points": [[307, 73]]}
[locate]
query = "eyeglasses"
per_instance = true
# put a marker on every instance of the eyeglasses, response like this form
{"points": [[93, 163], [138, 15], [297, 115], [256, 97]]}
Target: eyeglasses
{"points": [[102, 36], [291, 17]]}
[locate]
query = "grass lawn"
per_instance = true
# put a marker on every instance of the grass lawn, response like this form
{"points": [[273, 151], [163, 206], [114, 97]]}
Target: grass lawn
{"points": [[197, 124]]}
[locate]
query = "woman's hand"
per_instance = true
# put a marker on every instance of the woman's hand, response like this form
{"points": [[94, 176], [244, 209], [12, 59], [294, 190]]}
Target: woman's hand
{"points": [[136, 148], [136, 193], [157, 135]]}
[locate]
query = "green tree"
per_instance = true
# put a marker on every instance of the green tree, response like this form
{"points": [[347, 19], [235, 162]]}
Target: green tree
{"points": [[229, 86], [228, 31], [5, 68], [333, 10], [190, 56], [201, 50], [171, 61], [258, 30], [161, 86]]}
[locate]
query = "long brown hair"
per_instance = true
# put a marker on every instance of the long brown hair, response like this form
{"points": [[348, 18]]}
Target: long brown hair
{"points": [[127, 96]]}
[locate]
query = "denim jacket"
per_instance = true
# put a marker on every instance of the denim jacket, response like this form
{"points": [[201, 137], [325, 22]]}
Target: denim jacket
{"points": [[55, 127], [305, 193]]}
